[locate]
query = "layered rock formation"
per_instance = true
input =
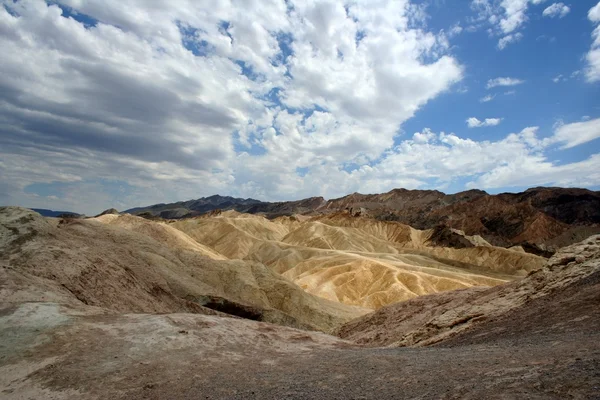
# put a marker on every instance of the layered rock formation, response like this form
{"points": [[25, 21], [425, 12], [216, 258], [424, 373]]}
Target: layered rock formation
{"points": [[541, 220], [357, 260], [563, 296], [129, 264]]}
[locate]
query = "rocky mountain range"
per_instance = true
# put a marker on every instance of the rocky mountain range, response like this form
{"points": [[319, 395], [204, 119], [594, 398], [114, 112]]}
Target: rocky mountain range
{"points": [[541, 220], [192, 208]]}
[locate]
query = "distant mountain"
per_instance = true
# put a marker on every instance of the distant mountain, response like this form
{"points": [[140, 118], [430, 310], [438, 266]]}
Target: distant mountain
{"points": [[51, 213], [191, 208], [539, 219]]}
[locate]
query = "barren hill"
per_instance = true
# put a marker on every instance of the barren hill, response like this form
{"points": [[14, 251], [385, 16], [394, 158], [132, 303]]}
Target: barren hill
{"points": [[563, 296], [541, 220], [356, 260], [129, 264]]}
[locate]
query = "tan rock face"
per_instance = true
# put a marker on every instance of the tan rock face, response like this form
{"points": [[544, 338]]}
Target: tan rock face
{"points": [[568, 288], [356, 260], [129, 264], [123, 307]]}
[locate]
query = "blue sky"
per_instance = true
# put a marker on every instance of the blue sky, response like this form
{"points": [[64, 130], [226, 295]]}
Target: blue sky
{"points": [[121, 103]]}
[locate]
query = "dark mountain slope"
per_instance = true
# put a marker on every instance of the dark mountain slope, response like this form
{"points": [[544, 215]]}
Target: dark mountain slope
{"points": [[539, 219]]}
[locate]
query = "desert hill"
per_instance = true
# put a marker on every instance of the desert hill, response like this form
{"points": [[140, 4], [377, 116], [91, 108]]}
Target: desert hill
{"points": [[129, 264], [357, 260], [541, 220], [563, 296], [315, 272]]}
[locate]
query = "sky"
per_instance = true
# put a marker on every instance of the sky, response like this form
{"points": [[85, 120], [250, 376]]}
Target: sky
{"points": [[123, 103]]}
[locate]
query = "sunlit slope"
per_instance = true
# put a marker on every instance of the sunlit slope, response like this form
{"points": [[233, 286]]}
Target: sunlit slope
{"points": [[356, 260], [161, 232], [366, 279], [232, 234], [481, 257], [555, 298], [128, 264]]}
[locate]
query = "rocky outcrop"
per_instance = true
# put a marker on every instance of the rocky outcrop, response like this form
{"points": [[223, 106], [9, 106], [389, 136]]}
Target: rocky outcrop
{"points": [[107, 212], [565, 292], [540, 219]]}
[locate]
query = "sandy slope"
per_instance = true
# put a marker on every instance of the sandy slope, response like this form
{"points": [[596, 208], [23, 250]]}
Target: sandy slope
{"points": [[358, 261], [161, 232], [140, 266], [566, 291], [231, 233]]}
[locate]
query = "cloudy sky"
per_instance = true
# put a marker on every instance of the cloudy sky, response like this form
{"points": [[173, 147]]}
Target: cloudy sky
{"points": [[122, 103]]}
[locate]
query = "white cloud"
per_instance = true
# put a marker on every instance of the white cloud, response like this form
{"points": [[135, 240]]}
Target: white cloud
{"points": [[516, 160], [559, 10], [504, 17], [506, 40], [503, 81], [423, 137], [574, 134], [558, 78], [536, 171], [514, 15], [186, 98], [594, 13], [487, 98], [592, 71], [475, 123], [455, 30]]}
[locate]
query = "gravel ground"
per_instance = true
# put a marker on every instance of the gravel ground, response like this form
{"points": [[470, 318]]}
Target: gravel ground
{"points": [[186, 356]]}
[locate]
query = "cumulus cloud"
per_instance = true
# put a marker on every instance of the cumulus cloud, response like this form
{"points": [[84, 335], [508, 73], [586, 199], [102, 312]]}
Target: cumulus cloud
{"points": [[506, 40], [190, 98], [514, 15], [594, 13], [505, 18], [516, 160], [124, 103], [423, 137], [475, 123], [559, 10], [592, 71], [503, 81], [486, 99]]}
